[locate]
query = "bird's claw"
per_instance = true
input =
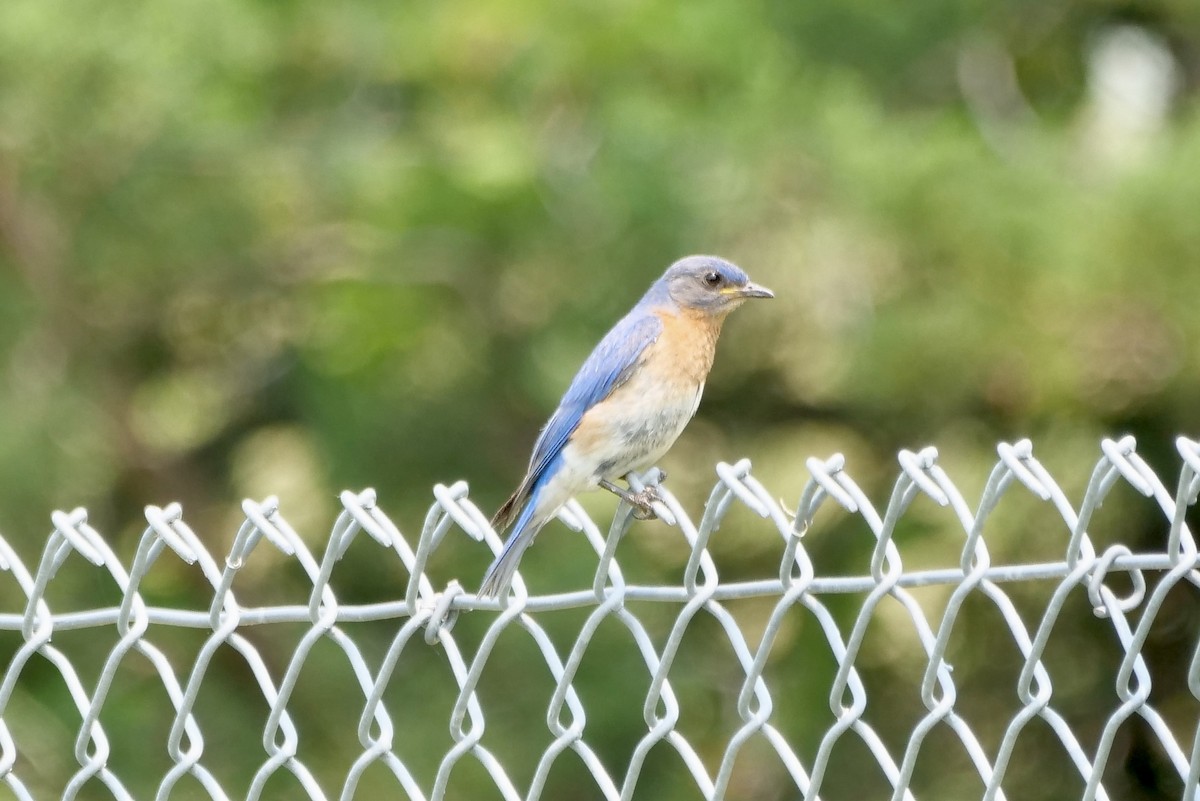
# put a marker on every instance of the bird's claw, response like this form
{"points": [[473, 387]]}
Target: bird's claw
{"points": [[643, 503]]}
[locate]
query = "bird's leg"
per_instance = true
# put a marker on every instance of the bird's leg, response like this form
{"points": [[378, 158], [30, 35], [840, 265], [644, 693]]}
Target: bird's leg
{"points": [[640, 501]]}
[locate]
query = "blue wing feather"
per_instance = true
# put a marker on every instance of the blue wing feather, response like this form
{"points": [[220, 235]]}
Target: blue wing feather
{"points": [[608, 366]]}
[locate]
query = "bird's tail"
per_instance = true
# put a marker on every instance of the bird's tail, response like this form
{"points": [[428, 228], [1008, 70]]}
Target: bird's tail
{"points": [[499, 574]]}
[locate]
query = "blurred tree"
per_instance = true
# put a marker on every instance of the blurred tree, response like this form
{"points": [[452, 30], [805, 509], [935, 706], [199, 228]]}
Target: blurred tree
{"points": [[255, 247]]}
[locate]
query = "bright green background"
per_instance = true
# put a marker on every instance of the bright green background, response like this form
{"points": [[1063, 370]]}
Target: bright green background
{"points": [[252, 248]]}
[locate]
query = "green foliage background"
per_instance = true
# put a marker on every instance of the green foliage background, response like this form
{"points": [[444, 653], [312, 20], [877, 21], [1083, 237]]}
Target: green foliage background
{"points": [[253, 248]]}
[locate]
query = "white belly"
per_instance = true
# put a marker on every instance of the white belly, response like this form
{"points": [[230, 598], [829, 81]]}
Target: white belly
{"points": [[638, 432], [635, 436]]}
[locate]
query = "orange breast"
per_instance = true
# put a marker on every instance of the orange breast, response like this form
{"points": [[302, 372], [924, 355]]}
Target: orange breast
{"points": [[685, 348]]}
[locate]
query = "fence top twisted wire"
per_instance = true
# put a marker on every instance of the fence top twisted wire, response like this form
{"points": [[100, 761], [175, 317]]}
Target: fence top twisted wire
{"points": [[427, 613]]}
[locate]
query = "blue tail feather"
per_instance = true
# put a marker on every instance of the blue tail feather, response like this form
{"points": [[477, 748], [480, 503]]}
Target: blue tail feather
{"points": [[499, 574]]}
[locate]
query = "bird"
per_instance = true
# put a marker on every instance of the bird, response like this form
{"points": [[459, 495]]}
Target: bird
{"points": [[628, 403]]}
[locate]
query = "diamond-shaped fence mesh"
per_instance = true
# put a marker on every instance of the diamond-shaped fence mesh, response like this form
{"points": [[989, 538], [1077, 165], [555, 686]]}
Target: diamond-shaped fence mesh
{"points": [[1077, 677]]}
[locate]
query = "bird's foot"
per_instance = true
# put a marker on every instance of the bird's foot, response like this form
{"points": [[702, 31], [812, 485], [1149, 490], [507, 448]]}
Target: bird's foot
{"points": [[643, 503]]}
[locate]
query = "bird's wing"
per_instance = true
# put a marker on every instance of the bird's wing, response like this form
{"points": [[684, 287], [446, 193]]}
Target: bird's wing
{"points": [[609, 366]]}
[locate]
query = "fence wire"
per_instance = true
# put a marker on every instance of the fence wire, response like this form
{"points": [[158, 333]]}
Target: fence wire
{"points": [[420, 627]]}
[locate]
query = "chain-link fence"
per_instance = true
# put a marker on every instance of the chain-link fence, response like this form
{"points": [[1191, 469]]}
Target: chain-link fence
{"points": [[964, 681]]}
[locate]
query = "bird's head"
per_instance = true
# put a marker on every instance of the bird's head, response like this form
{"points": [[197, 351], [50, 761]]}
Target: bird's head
{"points": [[711, 285]]}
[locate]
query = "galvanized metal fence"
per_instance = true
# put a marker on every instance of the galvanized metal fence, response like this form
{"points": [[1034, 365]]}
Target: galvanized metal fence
{"points": [[429, 620]]}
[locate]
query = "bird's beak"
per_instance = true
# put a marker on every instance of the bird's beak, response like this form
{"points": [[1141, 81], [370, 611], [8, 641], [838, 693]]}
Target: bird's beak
{"points": [[751, 290]]}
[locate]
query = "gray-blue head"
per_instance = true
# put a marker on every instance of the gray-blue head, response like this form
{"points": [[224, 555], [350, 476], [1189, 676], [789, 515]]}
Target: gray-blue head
{"points": [[710, 284]]}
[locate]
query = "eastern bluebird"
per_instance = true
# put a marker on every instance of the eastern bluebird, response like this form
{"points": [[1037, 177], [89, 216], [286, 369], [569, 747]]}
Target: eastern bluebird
{"points": [[628, 403]]}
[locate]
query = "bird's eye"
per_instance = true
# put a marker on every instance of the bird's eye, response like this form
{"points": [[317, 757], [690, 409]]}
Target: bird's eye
{"points": [[712, 278]]}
